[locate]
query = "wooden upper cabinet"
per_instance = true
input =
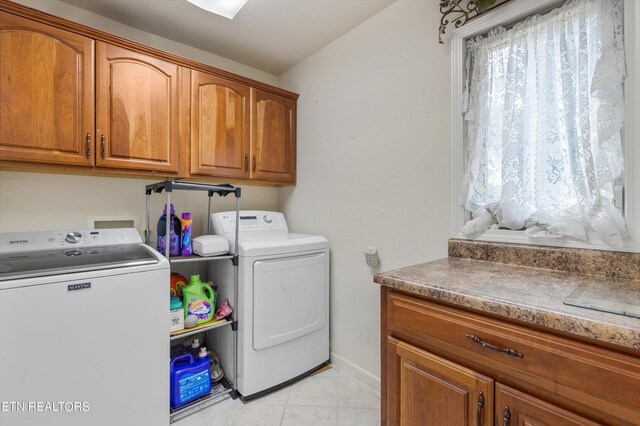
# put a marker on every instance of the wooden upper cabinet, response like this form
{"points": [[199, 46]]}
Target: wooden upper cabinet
{"points": [[219, 127], [74, 96], [273, 148], [137, 110], [426, 390], [514, 408], [46, 93]]}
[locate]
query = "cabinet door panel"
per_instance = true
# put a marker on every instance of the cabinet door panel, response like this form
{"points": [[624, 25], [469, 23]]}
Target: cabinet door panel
{"points": [[137, 110], [219, 127], [274, 137], [426, 390], [514, 408], [46, 93]]}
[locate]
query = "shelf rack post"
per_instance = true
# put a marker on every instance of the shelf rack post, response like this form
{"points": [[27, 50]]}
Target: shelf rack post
{"points": [[147, 232]]}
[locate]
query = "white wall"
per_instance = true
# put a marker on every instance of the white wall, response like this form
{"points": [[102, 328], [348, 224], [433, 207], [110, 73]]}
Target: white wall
{"points": [[32, 201], [373, 162], [38, 201]]}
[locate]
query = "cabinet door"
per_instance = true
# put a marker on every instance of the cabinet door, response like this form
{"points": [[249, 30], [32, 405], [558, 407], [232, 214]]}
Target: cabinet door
{"points": [[46, 93], [426, 390], [514, 408], [137, 110], [273, 147], [219, 127]]}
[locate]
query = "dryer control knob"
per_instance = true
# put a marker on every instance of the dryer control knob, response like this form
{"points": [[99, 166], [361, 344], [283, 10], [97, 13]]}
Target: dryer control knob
{"points": [[267, 218], [73, 237]]}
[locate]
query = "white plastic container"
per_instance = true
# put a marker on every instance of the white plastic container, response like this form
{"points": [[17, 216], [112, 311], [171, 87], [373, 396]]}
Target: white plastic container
{"points": [[176, 315]]}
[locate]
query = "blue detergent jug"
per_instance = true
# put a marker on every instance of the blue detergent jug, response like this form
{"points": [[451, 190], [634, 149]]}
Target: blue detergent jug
{"points": [[190, 378]]}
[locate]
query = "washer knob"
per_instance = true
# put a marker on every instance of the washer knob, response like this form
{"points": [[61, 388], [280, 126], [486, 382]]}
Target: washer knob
{"points": [[73, 237], [267, 218]]}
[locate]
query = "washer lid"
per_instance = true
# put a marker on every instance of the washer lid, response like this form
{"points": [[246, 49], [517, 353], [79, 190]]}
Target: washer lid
{"points": [[291, 243], [27, 264]]}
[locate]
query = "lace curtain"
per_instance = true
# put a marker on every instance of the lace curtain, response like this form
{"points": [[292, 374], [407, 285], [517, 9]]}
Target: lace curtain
{"points": [[544, 110]]}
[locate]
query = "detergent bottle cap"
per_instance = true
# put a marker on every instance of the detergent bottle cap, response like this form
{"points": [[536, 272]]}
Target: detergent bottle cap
{"points": [[203, 352], [194, 279], [172, 210], [186, 215], [195, 344], [175, 303]]}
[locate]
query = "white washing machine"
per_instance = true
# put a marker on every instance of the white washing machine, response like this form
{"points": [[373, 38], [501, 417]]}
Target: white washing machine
{"points": [[283, 306], [83, 329]]}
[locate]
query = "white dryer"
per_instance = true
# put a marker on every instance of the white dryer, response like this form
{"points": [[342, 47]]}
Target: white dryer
{"points": [[283, 306]]}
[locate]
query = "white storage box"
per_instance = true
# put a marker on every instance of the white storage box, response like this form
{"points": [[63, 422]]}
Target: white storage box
{"points": [[210, 245]]}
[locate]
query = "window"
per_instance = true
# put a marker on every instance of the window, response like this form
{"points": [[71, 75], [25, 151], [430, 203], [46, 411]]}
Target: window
{"points": [[540, 107]]}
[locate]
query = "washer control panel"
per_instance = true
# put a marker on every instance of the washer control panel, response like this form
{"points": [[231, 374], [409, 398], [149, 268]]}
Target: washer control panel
{"points": [[46, 240], [251, 221]]}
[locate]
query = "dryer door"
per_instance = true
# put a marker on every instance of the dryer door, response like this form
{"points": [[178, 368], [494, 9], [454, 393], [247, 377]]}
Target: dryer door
{"points": [[290, 297]]}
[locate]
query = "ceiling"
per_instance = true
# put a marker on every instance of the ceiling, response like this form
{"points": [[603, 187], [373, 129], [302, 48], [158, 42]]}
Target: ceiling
{"points": [[270, 35]]}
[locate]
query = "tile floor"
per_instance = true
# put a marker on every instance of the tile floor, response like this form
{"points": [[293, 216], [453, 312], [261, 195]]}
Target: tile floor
{"points": [[333, 397]]}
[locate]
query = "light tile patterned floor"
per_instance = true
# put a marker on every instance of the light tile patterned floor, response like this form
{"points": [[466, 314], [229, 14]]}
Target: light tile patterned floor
{"points": [[333, 397]]}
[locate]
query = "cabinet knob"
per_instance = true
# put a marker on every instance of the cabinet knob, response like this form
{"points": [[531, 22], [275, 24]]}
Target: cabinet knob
{"points": [[254, 163], [246, 163], [102, 143]]}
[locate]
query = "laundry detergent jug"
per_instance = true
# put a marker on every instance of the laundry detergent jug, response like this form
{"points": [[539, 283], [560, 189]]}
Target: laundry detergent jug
{"points": [[175, 227], [196, 300], [189, 378]]}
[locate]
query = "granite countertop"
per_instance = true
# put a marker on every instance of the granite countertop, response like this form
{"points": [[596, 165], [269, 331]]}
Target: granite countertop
{"points": [[531, 295]]}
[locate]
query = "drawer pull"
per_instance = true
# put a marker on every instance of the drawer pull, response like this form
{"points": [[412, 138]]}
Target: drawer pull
{"points": [[506, 416], [88, 139], [480, 406], [508, 351]]}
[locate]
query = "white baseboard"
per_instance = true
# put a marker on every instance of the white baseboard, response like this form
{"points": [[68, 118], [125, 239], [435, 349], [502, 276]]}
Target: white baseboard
{"points": [[356, 371]]}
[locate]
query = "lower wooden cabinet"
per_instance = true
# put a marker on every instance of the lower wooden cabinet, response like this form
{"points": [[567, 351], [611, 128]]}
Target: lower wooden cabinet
{"points": [[447, 366], [432, 391]]}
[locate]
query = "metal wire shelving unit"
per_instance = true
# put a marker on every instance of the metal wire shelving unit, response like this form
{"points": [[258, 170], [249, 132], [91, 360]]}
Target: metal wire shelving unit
{"points": [[227, 387]]}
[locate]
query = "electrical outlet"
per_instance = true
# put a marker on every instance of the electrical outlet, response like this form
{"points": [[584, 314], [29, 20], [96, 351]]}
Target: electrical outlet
{"points": [[371, 256]]}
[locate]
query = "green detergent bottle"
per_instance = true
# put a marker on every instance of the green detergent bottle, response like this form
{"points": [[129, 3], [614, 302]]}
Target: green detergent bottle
{"points": [[196, 301]]}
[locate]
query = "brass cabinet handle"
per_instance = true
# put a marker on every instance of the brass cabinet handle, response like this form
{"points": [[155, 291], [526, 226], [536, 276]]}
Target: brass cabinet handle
{"points": [[254, 163], [88, 154], [506, 416], [102, 142], [480, 406], [246, 163], [508, 351]]}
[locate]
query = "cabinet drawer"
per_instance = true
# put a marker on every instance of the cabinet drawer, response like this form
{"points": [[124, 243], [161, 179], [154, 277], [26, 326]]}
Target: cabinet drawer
{"points": [[595, 378]]}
